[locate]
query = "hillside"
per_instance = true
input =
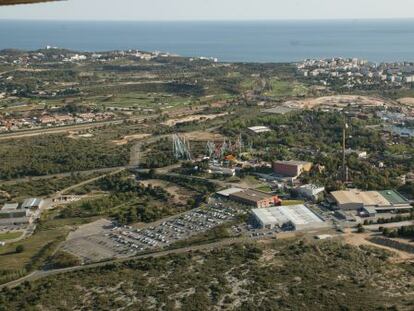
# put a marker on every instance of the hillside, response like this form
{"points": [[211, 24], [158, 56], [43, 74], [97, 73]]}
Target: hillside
{"points": [[282, 276]]}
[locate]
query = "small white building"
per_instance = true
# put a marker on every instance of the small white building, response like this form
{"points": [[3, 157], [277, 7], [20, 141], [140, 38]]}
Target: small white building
{"points": [[219, 170], [259, 129], [310, 191]]}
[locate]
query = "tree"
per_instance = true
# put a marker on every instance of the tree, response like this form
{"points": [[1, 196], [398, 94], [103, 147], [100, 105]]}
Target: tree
{"points": [[19, 248], [360, 228]]}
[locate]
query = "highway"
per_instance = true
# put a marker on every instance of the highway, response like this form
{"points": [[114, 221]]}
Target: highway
{"points": [[67, 128]]}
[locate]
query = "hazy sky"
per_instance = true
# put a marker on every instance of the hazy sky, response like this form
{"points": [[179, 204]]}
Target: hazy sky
{"points": [[211, 9]]}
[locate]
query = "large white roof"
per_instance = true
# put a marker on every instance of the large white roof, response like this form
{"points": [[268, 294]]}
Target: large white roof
{"points": [[299, 215]]}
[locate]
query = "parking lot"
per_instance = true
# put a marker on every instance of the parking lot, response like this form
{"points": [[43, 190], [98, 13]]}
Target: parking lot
{"points": [[111, 241]]}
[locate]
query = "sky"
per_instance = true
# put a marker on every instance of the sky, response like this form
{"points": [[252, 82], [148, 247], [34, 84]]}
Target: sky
{"points": [[151, 10]]}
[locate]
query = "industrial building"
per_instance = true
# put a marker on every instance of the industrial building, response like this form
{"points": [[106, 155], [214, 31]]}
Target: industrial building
{"points": [[255, 198], [370, 202], [291, 168], [12, 214], [297, 217]]}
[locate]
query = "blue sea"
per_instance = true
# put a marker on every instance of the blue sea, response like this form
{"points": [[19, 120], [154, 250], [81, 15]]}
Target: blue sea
{"points": [[267, 41]]}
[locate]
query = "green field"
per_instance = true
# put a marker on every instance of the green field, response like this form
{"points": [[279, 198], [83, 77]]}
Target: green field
{"points": [[283, 88], [37, 248], [292, 202], [10, 236]]}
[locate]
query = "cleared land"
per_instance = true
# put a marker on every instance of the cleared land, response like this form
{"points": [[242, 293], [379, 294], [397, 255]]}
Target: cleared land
{"points": [[336, 101]]}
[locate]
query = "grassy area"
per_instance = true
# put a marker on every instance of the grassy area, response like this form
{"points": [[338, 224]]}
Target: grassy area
{"points": [[264, 188], [283, 88], [292, 202], [37, 248], [10, 236], [43, 187]]}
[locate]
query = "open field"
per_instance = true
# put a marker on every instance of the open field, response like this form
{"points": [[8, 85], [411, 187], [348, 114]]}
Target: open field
{"points": [[339, 101], [409, 101], [126, 139], [10, 235], [199, 117], [363, 239], [203, 136], [180, 194], [36, 247], [280, 88]]}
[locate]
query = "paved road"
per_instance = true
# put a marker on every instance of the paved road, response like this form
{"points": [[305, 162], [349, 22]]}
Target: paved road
{"points": [[36, 275]]}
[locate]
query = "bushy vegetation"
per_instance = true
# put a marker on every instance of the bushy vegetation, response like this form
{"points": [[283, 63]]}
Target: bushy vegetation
{"points": [[54, 154], [127, 202], [41, 188], [316, 136], [402, 232], [63, 259], [282, 276]]}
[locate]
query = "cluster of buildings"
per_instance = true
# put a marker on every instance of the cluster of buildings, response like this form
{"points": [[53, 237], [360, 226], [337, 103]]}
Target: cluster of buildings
{"points": [[268, 212], [352, 72], [16, 214], [32, 122], [54, 54]]}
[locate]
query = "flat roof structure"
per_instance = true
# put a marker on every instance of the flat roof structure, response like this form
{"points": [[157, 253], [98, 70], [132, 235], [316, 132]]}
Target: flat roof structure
{"points": [[256, 198], [32, 202], [394, 197], [10, 207], [252, 195], [299, 216], [380, 200], [229, 191], [259, 129], [372, 198], [293, 162]]}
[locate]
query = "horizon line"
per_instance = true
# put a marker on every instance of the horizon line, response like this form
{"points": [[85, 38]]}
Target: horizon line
{"points": [[213, 20]]}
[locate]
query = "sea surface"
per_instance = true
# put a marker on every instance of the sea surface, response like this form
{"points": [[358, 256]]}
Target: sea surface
{"points": [[267, 41]]}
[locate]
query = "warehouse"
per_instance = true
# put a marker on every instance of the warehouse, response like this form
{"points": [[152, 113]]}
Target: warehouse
{"points": [[357, 200], [255, 198], [291, 168], [11, 214], [298, 217]]}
